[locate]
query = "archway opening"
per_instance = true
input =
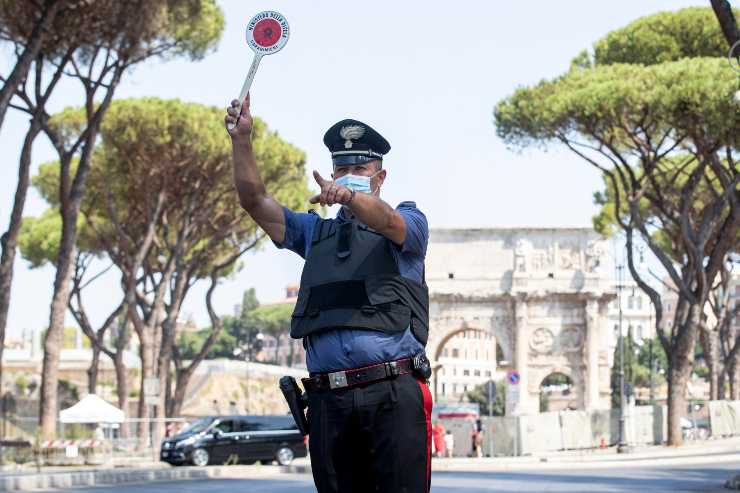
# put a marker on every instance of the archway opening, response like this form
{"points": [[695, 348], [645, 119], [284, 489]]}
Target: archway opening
{"points": [[464, 359], [557, 393]]}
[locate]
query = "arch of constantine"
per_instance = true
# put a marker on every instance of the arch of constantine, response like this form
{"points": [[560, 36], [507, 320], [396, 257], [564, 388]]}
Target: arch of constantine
{"points": [[540, 293]]}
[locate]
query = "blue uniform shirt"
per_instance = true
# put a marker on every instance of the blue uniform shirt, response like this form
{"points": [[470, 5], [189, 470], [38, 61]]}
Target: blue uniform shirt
{"points": [[341, 349]]}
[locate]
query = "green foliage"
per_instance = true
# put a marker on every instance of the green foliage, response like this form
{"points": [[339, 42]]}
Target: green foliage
{"points": [[68, 393], [151, 146], [273, 319], [240, 332], [194, 27], [630, 364], [664, 37], [190, 344], [544, 402], [167, 28], [611, 103], [479, 395], [637, 365]]}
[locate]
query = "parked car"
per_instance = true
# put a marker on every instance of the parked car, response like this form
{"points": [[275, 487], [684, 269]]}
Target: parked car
{"points": [[235, 439]]}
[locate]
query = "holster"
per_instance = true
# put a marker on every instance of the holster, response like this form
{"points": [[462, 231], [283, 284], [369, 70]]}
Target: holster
{"points": [[297, 402]]}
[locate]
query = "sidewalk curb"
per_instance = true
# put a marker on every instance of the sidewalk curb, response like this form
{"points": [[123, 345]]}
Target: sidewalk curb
{"points": [[78, 478]]}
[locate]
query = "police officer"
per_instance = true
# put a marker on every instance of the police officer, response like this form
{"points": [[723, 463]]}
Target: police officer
{"points": [[362, 311]]}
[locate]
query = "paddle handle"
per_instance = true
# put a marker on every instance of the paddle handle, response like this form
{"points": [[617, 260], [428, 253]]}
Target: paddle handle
{"points": [[247, 85]]}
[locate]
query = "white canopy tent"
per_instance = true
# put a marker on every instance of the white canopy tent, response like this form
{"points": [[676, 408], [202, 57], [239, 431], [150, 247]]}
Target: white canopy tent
{"points": [[92, 409]]}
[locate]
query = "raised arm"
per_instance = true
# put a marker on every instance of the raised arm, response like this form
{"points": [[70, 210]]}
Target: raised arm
{"points": [[253, 196]]}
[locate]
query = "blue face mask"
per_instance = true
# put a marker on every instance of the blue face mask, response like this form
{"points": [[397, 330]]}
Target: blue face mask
{"points": [[357, 183]]}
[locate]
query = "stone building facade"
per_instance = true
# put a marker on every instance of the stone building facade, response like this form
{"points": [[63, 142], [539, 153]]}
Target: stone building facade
{"points": [[542, 295]]}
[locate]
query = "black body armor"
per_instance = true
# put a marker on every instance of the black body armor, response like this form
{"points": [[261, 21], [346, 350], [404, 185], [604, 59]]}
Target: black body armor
{"points": [[351, 280]]}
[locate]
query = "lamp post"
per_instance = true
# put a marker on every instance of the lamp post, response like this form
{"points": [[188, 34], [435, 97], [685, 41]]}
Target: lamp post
{"points": [[622, 446]]}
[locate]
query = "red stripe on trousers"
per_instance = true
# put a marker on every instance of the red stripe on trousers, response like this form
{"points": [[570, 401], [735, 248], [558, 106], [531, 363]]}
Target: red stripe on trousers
{"points": [[427, 398]]}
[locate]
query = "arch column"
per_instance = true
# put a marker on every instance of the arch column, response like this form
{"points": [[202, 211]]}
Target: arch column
{"points": [[592, 354], [521, 354]]}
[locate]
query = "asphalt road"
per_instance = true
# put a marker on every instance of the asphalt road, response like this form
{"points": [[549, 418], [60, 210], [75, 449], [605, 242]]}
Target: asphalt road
{"points": [[674, 479]]}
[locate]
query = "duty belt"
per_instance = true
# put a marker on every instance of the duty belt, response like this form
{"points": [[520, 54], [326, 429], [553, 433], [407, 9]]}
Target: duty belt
{"points": [[357, 376]]}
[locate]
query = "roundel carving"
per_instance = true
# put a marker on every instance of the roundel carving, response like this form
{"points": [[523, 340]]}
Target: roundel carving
{"points": [[571, 339], [542, 340]]}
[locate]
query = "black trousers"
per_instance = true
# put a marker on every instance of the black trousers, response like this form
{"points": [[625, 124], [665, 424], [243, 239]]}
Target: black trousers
{"points": [[372, 438]]}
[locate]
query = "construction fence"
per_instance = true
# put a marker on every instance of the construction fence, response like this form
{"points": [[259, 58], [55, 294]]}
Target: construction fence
{"points": [[582, 430]]}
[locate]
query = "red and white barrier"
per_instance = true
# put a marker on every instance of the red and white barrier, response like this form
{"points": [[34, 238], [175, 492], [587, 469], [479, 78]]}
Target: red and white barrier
{"points": [[86, 443]]}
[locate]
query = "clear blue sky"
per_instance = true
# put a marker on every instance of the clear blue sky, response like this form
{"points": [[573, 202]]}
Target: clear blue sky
{"points": [[425, 74]]}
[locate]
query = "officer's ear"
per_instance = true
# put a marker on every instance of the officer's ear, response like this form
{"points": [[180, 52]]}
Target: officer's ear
{"points": [[380, 177]]}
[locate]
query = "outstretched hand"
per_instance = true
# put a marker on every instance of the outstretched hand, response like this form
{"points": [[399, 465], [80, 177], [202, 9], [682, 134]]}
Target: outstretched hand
{"points": [[331, 193]]}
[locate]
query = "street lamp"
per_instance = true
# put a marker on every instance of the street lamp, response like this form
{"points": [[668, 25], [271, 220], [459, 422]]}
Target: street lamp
{"points": [[622, 446]]}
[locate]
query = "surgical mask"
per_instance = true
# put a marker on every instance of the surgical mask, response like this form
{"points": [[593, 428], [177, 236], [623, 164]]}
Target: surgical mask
{"points": [[358, 183]]}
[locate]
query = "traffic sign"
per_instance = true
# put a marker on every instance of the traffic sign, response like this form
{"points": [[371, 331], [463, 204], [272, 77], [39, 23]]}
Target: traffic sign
{"points": [[267, 33], [513, 377]]}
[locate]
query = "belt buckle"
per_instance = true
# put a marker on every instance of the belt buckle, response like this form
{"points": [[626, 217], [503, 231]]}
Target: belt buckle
{"points": [[337, 380]]}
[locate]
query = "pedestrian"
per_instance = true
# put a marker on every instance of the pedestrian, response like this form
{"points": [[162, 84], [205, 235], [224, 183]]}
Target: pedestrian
{"points": [[449, 443], [479, 443], [438, 434], [362, 312]]}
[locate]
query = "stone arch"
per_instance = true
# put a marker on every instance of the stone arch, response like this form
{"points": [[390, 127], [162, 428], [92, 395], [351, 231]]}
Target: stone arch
{"points": [[502, 340], [436, 350], [570, 398]]}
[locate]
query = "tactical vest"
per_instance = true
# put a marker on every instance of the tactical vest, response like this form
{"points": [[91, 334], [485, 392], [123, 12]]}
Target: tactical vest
{"points": [[351, 280]]}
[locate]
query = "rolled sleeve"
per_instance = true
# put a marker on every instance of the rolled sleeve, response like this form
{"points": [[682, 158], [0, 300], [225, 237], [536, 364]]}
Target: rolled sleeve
{"points": [[298, 231], [417, 229]]}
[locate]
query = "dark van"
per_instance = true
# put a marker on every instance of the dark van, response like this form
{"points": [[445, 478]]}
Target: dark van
{"points": [[235, 439]]}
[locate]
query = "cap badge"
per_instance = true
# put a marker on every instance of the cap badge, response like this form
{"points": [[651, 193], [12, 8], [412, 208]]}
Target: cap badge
{"points": [[351, 132]]}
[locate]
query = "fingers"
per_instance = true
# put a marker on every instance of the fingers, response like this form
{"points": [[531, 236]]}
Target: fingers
{"points": [[315, 199], [343, 195], [319, 179], [331, 195]]}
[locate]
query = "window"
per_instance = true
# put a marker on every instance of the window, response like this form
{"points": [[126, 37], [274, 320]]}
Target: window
{"points": [[639, 302], [455, 353], [476, 373], [488, 373], [450, 275], [444, 352], [466, 373], [465, 388], [226, 426], [444, 392], [631, 302], [640, 333], [454, 388]]}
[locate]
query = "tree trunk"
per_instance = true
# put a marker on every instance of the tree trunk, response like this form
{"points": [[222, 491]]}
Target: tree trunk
{"points": [[710, 344], [277, 348], [181, 386], [53, 340], [121, 388], [92, 372], [30, 52], [70, 198], [680, 365], [147, 371], [733, 369], [9, 240], [722, 385], [723, 11]]}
